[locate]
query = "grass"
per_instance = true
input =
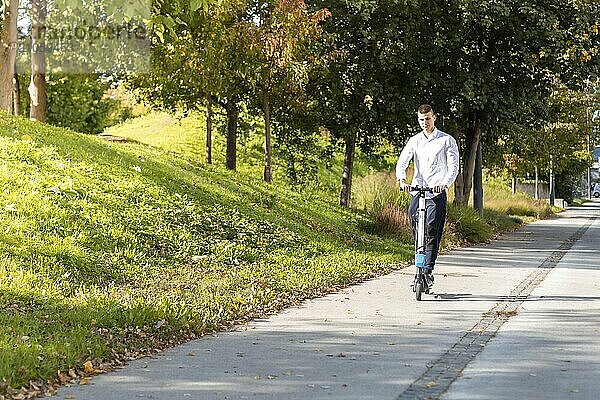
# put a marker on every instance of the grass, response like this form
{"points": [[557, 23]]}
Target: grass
{"points": [[499, 197], [378, 194], [109, 251]]}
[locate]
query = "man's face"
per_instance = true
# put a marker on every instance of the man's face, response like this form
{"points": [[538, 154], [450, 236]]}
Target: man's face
{"points": [[426, 121]]}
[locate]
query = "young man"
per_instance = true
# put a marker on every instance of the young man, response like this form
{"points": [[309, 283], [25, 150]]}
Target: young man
{"points": [[436, 163]]}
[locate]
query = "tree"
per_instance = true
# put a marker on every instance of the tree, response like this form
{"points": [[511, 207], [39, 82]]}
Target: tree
{"points": [[500, 58], [37, 85], [16, 93], [359, 98], [558, 137], [8, 52], [200, 56], [285, 34]]}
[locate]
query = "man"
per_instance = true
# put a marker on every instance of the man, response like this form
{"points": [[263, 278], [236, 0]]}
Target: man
{"points": [[436, 163]]}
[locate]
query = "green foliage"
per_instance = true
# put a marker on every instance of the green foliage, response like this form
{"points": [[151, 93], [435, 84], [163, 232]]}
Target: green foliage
{"points": [[572, 171], [303, 153], [83, 102], [79, 102]]}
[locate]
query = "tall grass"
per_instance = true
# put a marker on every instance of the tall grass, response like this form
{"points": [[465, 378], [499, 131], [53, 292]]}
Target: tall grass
{"points": [[379, 195], [499, 197]]}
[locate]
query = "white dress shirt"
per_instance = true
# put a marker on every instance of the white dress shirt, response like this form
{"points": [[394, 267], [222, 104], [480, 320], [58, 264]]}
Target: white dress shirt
{"points": [[435, 159]]}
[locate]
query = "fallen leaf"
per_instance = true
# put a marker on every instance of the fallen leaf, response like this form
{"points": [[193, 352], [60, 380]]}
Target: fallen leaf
{"points": [[431, 384], [88, 367], [63, 378]]}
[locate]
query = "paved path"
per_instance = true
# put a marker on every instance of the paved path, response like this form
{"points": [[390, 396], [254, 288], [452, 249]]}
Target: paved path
{"points": [[517, 318]]}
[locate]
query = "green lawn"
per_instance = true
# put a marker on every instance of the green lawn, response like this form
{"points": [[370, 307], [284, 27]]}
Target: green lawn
{"points": [[111, 249]]}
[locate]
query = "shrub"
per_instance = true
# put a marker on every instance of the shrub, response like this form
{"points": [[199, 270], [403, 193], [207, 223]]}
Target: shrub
{"points": [[471, 227]]}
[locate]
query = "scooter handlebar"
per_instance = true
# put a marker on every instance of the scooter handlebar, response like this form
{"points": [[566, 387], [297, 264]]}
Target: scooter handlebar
{"points": [[420, 189]]}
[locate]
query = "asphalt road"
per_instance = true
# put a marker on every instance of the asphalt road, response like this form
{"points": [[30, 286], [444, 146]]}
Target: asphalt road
{"points": [[516, 318]]}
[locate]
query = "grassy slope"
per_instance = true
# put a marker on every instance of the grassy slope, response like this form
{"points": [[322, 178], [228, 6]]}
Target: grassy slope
{"points": [[108, 249]]}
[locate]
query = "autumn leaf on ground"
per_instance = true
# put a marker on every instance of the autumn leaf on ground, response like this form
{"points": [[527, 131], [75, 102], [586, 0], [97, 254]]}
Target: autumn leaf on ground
{"points": [[88, 367]]}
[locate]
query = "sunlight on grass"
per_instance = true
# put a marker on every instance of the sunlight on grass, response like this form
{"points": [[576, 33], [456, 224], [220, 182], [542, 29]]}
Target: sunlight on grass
{"points": [[111, 249]]}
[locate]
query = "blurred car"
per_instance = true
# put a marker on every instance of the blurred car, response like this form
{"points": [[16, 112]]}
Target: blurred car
{"points": [[596, 191]]}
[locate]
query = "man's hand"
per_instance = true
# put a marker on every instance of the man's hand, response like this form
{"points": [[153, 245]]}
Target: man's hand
{"points": [[404, 186], [440, 188]]}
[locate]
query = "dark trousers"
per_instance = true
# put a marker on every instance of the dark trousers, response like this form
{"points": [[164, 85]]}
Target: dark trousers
{"points": [[435, 217]]}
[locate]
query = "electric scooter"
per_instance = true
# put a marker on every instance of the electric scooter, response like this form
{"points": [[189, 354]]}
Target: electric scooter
{"points": [[420, 284]]}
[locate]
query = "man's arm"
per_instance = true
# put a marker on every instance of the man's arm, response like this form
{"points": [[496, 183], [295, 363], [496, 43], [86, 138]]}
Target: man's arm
{"points": [[405, 156], [453, 160]]}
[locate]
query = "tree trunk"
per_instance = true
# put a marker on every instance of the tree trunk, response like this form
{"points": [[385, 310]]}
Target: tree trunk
{"points": [[232, 125], [537, 192], [267, 172], [346, 192], [552, 194], [209, 129], [462, 190], [16, 93], [37, 85], [8, 53], [478, 182]]}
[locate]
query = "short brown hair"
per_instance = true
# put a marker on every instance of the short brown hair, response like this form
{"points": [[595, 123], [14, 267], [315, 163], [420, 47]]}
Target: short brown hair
{"points": [[424, 109]]}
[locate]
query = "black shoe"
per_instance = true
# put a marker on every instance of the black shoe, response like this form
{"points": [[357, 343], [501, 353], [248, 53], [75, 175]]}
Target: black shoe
{"points": [[429, 279]]}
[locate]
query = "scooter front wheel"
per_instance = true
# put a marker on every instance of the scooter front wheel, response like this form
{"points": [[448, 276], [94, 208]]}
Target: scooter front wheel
{"points": [[419, 289]]}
